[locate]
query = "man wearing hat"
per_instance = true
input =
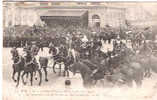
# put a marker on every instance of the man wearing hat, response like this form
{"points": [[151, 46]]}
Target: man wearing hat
{"points": [[34, 52], [14, 52]]}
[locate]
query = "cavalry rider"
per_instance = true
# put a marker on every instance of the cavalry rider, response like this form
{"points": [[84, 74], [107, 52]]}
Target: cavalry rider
{"points": [[117, 45], [63, 52], [31, 56], [15, 54], [27, 46], [54, 51], [27, 53], [35, 57], [51, 46]]}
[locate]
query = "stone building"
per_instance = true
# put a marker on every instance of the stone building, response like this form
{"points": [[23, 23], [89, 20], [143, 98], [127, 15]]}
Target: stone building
{"points": [[91, 14], [88, 14]]}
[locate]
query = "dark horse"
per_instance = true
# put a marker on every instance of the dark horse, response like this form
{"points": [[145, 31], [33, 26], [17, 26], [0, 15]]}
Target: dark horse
{"points": [[67, 61], [60, 56], [86, 72], [20, 65]]}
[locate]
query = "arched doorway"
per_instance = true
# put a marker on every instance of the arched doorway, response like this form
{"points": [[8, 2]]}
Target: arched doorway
{"points": [[96, 21]]}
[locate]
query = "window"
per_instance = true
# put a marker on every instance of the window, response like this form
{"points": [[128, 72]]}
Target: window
{"points": [[95, 17], [96, 21]]}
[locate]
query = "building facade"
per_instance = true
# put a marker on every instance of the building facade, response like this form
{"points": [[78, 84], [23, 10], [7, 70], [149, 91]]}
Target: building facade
{"points": [[30, 13]]}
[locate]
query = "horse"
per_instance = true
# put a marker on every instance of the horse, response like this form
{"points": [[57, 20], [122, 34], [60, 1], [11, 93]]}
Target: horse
{"points": [[43, 61], [85, 71], [149, 64], [20, 65], [67, 61], [61, 56], [125, 67], [132, 71], [126, 73]]}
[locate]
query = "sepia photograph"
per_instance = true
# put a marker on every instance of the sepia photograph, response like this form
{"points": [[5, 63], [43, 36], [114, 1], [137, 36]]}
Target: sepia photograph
{"points": [[79, 50]]}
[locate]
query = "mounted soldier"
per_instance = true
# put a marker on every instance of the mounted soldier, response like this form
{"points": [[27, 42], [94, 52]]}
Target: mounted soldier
{"points": [[34, 52], [52, 48], [63, 51], [31, 56], [15, 54], [27, 46], [27, 52], [117, 45]]}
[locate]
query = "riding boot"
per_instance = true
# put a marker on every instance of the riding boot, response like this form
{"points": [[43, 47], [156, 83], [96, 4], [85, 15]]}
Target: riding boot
{"points": [[36, 75]]}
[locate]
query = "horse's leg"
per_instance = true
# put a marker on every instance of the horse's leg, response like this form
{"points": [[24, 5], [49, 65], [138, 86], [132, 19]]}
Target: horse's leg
{"points": [[60, 69], [27, 75], [102, 82], [64, 73], [129, 82], [23, 76], [54, 67], [95, 82], [35, 74], [147, 73], [40, 75], [13, 75], [68, 73], [18, 78], [45, 70], [42, 49], [138, 78], [65, 69], [31, 80]]}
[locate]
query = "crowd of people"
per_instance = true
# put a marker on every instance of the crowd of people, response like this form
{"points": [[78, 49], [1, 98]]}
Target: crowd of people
{"points": [[84, 44], [86, 41]]}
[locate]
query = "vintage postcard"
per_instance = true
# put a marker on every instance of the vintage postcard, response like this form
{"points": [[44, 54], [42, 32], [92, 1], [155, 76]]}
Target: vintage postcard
{"points": [[79, 50]]}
